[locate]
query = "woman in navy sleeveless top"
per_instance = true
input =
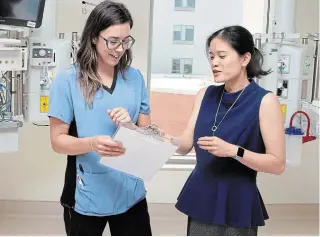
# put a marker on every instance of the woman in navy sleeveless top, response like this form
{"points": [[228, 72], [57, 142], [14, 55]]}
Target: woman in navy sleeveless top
{"points": [[237, 129]]}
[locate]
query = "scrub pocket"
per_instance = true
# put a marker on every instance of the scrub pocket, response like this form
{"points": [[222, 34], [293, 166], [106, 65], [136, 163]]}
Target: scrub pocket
{"points": [[95, 193], [135, 191]]}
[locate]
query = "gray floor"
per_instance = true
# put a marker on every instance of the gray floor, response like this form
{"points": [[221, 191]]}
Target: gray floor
{"points": [[22, 218]]}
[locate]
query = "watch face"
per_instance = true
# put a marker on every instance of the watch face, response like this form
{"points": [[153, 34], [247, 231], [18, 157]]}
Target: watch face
{"points": [[240, 152]]}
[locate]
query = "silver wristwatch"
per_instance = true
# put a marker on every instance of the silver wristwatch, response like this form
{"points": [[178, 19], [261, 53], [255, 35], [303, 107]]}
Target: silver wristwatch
{"points": [[240, 153]]}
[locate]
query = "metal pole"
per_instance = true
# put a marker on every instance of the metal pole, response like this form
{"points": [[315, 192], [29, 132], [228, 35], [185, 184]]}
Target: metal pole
{"points": [[9, 87], [20, 93], [24, 94], [149, 67], [315, 80], [14, 94], [257, 43]]}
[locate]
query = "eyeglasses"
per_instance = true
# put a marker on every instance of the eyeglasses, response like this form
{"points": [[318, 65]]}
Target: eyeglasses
{"points": [[114, 43]]}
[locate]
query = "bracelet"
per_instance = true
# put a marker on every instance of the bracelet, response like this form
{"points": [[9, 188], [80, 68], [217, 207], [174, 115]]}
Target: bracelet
{"points": [[91, 145]]}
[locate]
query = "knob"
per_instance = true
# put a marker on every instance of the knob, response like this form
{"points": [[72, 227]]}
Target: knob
{"points": [[42, 52]]}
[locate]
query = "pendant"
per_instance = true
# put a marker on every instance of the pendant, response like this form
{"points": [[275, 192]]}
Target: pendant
{"points": [[213, 129]]}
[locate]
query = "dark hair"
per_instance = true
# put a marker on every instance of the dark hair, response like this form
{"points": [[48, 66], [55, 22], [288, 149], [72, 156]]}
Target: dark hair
{"points": [[241, 41], [106, 14]]}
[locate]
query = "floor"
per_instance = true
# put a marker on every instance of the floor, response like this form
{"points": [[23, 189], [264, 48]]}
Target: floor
{"points": [[22, 218]]}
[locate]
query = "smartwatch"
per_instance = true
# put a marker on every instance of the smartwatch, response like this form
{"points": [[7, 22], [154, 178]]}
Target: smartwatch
{"points": [[240, 154]]}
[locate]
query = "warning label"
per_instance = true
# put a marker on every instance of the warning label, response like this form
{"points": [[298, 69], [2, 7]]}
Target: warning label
{"points": [[44, 104], [284, 111]]}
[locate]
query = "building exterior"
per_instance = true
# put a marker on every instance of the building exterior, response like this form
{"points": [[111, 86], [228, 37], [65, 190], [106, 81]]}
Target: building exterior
{"points": [[180, 30]]}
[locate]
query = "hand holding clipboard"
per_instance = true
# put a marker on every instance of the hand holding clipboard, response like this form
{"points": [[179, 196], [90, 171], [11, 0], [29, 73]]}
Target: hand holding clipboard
{"points": [[146, 151]]}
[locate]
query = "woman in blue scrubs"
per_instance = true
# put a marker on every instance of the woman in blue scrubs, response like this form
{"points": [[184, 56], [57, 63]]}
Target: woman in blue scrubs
{"points": [[237, 130], [87, 103]]}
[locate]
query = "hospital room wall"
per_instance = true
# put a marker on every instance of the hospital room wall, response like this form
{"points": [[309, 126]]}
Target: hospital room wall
{"points": [[35, 173]]}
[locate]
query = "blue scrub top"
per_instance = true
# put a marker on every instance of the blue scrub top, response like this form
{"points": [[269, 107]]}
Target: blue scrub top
{"points": [[103, 191]]}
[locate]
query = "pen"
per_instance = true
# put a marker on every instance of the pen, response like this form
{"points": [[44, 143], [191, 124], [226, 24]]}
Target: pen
{"points": [[80, 181], [81, 169]]}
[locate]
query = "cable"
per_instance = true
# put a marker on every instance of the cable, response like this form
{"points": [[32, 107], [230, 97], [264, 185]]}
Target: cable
{"points": [[4, 77], [7, 100]]}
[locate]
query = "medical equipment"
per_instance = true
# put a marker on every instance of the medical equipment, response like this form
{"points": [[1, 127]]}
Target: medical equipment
{"points": [[29, 58], [23, 13], [295, 137], [291, 77], [293, 61], [46, 57], [13, 64], [294, 78]]}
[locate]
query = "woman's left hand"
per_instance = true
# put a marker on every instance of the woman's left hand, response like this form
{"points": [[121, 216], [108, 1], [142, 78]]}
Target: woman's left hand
{"points": [[217, 146], [119, 116]]}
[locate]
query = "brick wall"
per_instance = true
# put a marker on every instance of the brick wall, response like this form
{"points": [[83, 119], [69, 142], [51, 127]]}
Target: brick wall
{"points": [[171, 111]]}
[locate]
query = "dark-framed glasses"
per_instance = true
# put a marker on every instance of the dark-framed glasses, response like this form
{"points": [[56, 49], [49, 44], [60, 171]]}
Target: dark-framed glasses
{"points": [[113, 43]]}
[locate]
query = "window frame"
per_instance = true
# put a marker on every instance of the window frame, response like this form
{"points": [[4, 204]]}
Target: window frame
{"points": [[182, 64], [184, 6], [183, 30]]}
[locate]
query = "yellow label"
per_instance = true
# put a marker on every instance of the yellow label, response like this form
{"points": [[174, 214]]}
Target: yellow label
{"points": [[51, 74], [284, 111], [44, 104]]}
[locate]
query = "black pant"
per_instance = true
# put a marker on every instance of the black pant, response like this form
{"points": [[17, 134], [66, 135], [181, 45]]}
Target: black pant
{"points": [[134, 222]]}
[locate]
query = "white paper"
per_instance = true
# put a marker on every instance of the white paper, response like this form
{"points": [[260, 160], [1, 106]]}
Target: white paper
{"points": [[144, 155]]}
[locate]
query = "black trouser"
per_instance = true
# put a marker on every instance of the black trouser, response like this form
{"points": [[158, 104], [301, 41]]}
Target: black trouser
{"points": [[134, 222]]}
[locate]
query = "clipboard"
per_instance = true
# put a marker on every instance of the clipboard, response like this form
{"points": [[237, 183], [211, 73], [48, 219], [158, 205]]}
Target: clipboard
{"points": [[146, 152]]}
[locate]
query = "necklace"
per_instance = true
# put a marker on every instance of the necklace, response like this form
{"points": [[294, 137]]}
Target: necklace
{"points": [[215, 127]]}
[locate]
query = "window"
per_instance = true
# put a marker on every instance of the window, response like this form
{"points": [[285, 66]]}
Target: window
{"points": [[178, 3], [179, 66], [176, 66], [183, 34], [182, 66], [184, 5]]}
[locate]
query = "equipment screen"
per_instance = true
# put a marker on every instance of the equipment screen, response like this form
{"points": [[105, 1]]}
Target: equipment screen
{"points": [[20, 9]]}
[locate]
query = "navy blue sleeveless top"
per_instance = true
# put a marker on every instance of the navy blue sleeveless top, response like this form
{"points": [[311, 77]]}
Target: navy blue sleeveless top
{"points": [[222, 190]]}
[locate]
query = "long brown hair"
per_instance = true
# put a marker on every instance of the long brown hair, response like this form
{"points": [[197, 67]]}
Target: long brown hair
{"points": [[106, 14]]}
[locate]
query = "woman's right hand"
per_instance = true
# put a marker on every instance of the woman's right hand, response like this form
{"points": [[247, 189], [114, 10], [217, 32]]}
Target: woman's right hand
{"points": [[105, 146]]}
